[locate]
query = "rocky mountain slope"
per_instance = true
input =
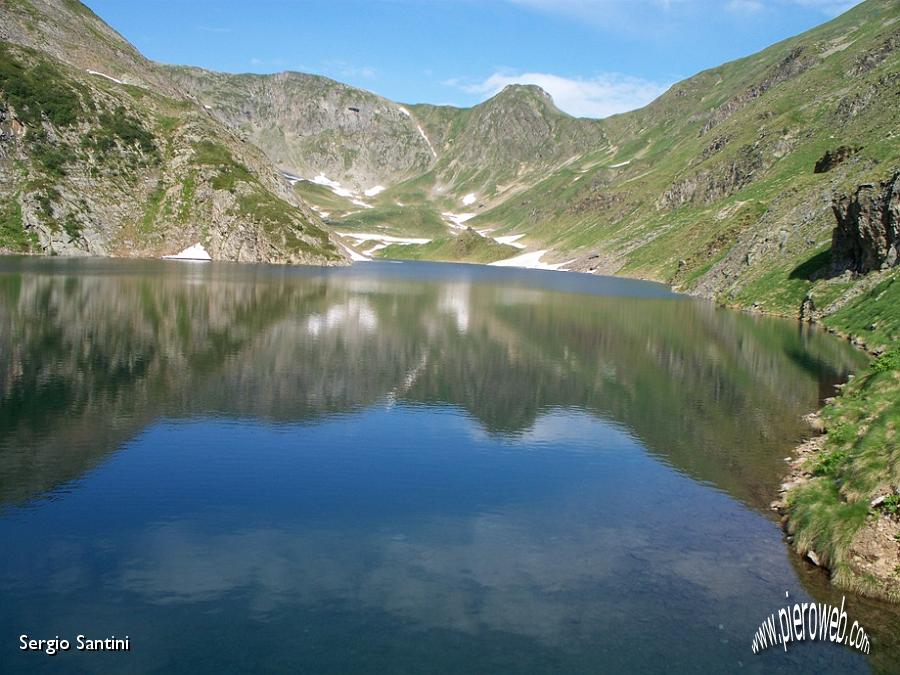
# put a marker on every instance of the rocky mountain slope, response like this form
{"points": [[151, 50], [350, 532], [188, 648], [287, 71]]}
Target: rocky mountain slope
{"points": [[309, 125], [101, 154], [430, 159], [723, 186]]}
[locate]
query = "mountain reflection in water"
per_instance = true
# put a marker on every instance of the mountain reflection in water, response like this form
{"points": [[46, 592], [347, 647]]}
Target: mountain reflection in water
{"points": [[436, 459]]}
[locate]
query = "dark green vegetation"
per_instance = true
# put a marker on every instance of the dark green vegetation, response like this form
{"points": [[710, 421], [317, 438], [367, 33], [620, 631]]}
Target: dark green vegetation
{"points": [[119, 127], [39, 91], [467, 246], [217, 156]]}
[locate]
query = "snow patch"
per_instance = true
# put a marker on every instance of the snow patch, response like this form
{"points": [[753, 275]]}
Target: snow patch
{"points": [[375, 249], [456, 220], [372, 191], [530, 260], [360, 237], [335, 187], [420, 130], [290, 178], [355, 256], [108, 77], [510, 240], [469, 199], [430, 146], [195, 252], [620, 164]]}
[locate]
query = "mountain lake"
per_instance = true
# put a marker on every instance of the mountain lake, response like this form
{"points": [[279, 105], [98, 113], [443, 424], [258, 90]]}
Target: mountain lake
{"points": [[403, 468]]}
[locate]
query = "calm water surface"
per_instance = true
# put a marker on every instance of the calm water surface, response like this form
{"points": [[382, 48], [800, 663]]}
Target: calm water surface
{"points": [[399, 468]]}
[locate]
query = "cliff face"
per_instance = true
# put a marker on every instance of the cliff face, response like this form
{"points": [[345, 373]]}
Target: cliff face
{"points": [[867, 236]]}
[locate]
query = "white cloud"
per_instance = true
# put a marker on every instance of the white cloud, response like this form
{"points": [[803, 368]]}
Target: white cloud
{"points": [[599, 96]]}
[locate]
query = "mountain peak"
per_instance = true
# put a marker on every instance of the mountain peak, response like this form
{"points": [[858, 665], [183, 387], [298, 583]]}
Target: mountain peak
{"points": [[530, 95], [525, 88]]}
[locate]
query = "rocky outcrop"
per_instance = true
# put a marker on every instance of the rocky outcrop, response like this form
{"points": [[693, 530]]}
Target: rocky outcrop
{"points": [[867, 236], [709, 185], [832, 158], [874, 57], [855, 104]]}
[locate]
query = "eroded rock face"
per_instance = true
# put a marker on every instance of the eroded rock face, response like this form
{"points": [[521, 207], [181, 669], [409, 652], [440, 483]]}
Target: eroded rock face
{"points": [[867, 236], [708, 185]]}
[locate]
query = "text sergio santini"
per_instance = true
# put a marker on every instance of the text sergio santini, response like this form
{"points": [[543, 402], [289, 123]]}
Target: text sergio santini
{"points": [[82, 644]]}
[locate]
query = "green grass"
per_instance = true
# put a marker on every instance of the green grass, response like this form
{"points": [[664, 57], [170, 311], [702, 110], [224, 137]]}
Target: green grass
{"points": [[323, 198], [468, 246], [231, 172], [874, 315], [861, 457], [418, 220], [152, 207], [861, 453], [188, 191], [13, 236]]}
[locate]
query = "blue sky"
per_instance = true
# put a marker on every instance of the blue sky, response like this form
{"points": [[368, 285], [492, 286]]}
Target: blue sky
{"points": [[595, 57]]}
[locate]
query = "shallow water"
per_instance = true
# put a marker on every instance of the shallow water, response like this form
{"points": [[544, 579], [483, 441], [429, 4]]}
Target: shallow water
{"points": [[399, 468]]}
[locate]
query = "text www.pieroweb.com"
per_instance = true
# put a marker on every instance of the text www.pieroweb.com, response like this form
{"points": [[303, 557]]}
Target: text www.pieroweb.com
{"points": [[809, 621]]}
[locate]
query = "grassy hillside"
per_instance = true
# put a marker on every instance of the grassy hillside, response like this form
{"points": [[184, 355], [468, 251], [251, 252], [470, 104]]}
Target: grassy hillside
{"points": [[467, 246], [712, 187]]}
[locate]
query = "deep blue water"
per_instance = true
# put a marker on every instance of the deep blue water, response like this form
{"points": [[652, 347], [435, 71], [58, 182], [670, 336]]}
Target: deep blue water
{"points": [[398, 468]]}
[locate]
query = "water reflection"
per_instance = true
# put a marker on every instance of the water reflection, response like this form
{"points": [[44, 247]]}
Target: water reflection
{"points": [[708, 391], [450, 464]]}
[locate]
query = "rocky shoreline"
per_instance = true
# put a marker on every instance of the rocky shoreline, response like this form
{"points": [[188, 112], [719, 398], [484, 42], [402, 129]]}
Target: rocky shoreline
{"points": [[872, 559]]}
